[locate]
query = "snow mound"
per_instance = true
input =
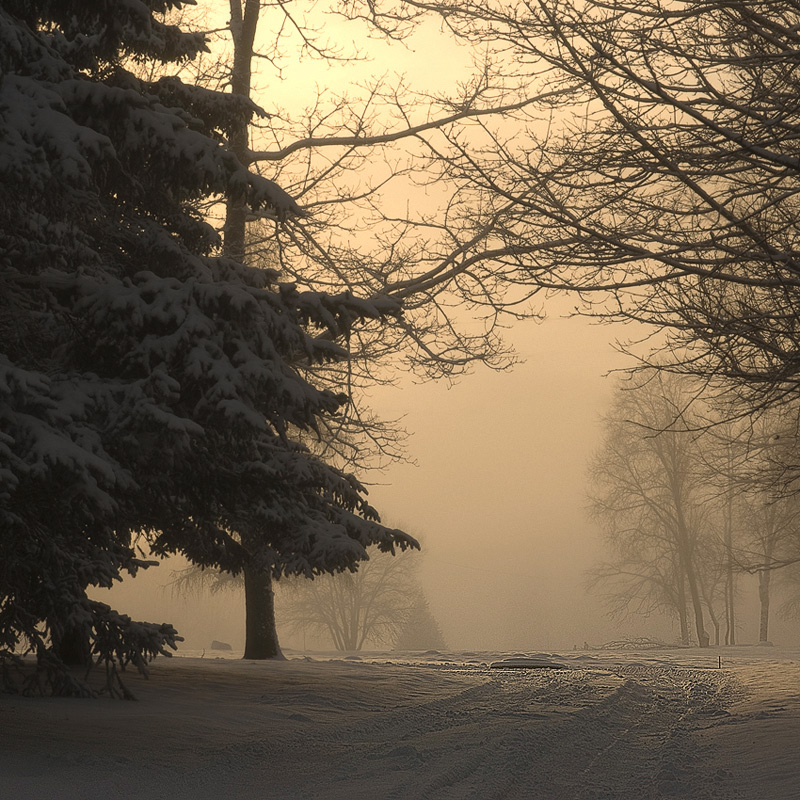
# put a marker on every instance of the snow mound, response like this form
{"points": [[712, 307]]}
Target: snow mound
{"points": [[526, 663]]}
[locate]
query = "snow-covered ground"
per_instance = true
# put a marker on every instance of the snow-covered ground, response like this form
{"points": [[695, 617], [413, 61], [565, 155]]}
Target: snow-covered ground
{"points": [[626, 725]]}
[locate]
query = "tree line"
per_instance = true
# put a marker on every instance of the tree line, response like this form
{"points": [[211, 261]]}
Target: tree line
{"points": [[382, 605], [688, 503]]}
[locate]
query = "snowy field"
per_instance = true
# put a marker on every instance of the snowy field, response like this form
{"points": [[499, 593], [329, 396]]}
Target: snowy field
{"points": [[626, 725]]}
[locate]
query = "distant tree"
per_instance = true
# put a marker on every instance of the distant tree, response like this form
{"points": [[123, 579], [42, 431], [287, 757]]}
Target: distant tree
{"points": [[647, 495], [790, 585], [711, 565], [642, 577], [370, 606], [420, 631], [674, 485], [767, 516], [747, 461], [380, 604], [147, 383], [722, 456], [771, 525]]}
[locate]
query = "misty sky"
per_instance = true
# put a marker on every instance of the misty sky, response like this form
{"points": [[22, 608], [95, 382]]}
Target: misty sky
{"points": [[498, 496]]}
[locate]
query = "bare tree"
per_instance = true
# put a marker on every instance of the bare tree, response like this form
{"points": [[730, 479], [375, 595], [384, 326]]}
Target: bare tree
{"points": [[771, 526], [640, 155], [741, 520], [767, 516], [712, 570], [344, 159], [369, 606], [647, 496], [372, 605], [338, 160], [645, 580], [751, 462], [664, 188], [790, 584], [643, 159]]}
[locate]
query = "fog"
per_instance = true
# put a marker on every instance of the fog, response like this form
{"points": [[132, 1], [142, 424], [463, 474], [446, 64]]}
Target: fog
{"points": [[498, 498], [496, 495]]}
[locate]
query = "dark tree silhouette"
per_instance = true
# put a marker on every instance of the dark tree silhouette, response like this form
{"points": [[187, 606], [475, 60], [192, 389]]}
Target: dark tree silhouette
{"points": [[147, 382]]}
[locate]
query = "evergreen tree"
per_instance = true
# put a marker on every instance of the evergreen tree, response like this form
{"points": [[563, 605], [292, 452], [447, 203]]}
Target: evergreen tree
{"points": [[421, 630], [146, 381]]}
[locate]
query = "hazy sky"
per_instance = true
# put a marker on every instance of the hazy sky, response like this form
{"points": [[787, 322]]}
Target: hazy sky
{"points": [[498, 495]]}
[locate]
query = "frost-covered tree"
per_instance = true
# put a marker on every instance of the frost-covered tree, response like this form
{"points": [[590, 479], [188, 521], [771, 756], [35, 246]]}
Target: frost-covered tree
{"points": [[146, 381]]}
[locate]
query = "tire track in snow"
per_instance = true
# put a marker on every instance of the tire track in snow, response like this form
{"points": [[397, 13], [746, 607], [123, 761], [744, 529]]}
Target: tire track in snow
{"points": [[549, 735]]}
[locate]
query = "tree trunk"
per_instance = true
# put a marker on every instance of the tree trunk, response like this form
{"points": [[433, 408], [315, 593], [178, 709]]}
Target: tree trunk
{"points": [[244, 23], [697, 605], [683, 540], [73, 648], [261, 634], [685, 554], [730, 588], [708, 599], [764, 578], [684, 623], [715, 623], [683, 617], [730, 592]]}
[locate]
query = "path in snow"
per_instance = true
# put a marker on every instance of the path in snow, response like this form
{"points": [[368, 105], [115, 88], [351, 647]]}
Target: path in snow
{"points": [[609, 726], [536, 734]]}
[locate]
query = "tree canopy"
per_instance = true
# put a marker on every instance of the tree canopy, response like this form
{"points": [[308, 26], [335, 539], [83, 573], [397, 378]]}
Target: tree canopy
{"points": [[647, 163]]}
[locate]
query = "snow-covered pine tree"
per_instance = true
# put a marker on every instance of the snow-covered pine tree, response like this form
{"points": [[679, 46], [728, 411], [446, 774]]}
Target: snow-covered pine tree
{"points": [[146, 385]]}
